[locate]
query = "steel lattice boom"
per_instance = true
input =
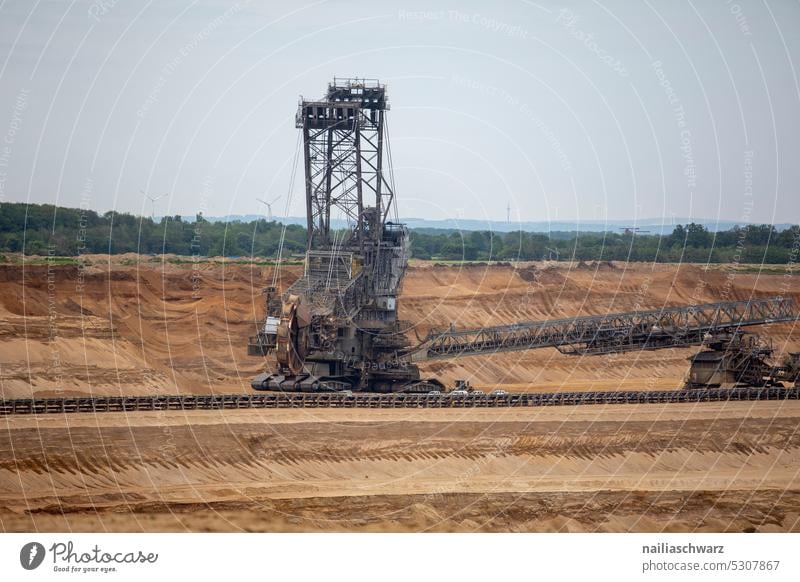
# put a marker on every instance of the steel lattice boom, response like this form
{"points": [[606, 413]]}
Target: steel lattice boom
{"points": [[343, 146], [619, 332]]}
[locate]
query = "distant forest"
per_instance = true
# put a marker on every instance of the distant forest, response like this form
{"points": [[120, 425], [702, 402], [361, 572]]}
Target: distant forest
{"points": [[44, 229]]}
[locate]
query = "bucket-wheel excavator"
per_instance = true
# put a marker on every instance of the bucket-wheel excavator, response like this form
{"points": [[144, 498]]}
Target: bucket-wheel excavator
{"points": [[336, 327]]}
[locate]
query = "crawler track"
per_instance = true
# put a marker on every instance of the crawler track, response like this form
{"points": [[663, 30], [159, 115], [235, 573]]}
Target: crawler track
{"points": [[332, 400]]}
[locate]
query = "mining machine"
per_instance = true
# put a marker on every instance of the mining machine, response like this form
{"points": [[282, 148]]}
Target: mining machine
{"points": [[730, 356], [336, 328]]}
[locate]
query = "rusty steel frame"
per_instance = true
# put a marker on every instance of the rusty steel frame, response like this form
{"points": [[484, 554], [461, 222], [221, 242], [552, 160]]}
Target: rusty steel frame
{"points": [[343, 150], [619, 332]]}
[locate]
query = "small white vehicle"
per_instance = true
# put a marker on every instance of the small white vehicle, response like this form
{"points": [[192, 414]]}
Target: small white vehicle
{"points": [[498, 393], [477, 393], [458, 393]]}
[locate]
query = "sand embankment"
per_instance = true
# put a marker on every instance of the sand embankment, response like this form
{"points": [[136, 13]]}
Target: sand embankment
{"points": [[142, 325]]}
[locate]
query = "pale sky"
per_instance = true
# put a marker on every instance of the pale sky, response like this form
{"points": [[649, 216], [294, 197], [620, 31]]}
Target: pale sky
{"points": [[565, 110]]}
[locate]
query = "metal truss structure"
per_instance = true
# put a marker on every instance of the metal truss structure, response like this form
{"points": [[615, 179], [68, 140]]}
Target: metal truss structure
{"points": [[619, 332], [336, 327], [343, 147]]}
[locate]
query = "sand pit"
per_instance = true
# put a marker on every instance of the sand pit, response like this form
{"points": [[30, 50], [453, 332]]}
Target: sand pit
{"points": [[151, 325], [141, 325]]}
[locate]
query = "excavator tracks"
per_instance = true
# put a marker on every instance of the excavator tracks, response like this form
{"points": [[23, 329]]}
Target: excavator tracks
{"points": [[332, 400]]}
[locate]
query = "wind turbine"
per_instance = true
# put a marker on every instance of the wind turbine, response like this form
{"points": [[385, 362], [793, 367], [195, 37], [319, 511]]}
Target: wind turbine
{"points": [[153, 200], [269, 206]]}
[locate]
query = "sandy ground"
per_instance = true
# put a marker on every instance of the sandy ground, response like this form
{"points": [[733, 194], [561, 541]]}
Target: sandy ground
{"points": [[128, 325], [709, 467], [133, 325]]}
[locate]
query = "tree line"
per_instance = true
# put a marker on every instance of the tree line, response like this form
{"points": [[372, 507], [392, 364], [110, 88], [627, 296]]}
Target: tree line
{"points": [[687, 243], [40, 229]]}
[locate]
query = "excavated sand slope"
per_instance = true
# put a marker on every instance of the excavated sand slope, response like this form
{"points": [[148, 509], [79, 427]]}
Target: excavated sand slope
{"points": [[141, 325], [127, 325], [710, 467]]}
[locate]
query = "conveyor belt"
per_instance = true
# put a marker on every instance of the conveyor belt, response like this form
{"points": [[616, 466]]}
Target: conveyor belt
{"points": [[611, 333], [333, 400]]}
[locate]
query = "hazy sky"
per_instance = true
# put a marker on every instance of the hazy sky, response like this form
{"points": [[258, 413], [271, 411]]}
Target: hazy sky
{"points": [[567, 110]]}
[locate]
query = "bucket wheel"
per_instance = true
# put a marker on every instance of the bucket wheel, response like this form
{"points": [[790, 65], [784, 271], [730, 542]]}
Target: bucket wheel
{"points": [[292, 337]]}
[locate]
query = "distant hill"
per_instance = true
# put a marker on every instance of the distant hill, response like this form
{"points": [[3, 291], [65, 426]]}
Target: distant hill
{"points": [[653, 225]]}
